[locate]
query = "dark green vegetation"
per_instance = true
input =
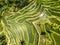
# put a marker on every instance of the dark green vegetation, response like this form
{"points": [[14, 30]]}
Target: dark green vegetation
{"points": [[29, 22]]}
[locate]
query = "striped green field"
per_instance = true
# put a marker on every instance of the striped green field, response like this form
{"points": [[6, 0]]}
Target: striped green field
{"points": [[29, 22]]}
